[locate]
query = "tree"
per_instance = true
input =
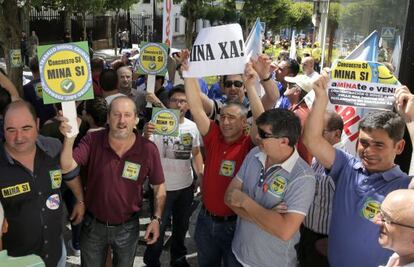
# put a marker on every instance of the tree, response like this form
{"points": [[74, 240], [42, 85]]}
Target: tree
{"points": [[10, 36], [300, 15]]}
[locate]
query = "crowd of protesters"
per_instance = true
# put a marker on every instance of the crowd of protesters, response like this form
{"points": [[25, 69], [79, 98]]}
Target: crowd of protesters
{"points": [[277, 187]]}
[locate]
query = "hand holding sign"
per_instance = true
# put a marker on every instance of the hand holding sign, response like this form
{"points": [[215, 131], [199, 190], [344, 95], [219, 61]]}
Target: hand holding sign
{"points": [[262, 66], [404, 103]]}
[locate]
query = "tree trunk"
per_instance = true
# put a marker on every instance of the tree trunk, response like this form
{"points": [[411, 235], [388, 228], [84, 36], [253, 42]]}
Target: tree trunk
{"points": [[115, 36], [332, 29], [67, 21], [84, 35], [10, 36]]}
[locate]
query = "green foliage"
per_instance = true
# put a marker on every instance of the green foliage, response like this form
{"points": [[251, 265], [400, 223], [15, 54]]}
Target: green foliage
{"points": [[300, 15]]}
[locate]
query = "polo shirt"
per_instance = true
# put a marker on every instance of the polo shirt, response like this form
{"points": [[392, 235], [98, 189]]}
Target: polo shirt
{"points": [[222, 162], [302, 111], [32, 203], [353, 237], [293, 182], [114, 184]]}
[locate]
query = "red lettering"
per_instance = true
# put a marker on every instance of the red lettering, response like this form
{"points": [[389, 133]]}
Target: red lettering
{"points": [[349, 118]]}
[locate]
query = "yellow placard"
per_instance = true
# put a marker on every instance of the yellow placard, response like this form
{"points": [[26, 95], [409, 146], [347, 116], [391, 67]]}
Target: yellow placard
{"points": [[153, 59]]}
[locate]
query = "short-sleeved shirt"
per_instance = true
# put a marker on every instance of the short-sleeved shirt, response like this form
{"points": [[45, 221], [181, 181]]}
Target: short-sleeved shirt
{"points": [[33, 203], [222, 162], [353, 236], [301, 111], [114, 184], [176, 155], [293, 182]]}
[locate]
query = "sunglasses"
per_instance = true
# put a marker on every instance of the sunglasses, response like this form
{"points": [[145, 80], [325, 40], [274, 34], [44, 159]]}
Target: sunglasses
{"points": [[386, 219], [265, 135], [237, 84]]}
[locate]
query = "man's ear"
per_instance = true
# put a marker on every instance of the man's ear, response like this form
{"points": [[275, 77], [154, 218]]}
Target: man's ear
{"points": [[399, 146]]}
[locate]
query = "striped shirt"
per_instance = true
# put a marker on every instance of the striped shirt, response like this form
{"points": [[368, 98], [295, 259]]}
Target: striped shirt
{"points": [[319, 215]]}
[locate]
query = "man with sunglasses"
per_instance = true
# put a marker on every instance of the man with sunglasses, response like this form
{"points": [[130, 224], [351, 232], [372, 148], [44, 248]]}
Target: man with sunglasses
{"points": [[271, 173], [396, 221], [235, 91], [361, 183]]}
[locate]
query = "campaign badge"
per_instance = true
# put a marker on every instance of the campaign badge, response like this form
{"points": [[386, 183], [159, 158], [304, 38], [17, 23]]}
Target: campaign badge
{"points": [[278, 185], [186, 139], [15, 190], [38, 90], [53, 202], [56, 178], [227, 167], [370, 209], [153, 59], [15, 58], [166, 121], [131, 170], [65, 72]]}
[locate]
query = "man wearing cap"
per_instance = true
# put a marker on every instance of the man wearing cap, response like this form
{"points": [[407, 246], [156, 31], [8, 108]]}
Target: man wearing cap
{"points": [[297, 88]]}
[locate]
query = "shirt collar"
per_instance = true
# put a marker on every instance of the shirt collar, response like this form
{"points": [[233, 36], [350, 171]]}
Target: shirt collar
{"points": [[388, 175], [39, 145], [287, 165]]}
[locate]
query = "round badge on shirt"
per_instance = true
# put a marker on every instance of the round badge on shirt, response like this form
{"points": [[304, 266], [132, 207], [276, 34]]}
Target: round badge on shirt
{"points": [[53, 202]]}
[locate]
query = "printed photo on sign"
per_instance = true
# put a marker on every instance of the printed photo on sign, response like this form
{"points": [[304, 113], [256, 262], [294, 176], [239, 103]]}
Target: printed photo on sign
{"points": [[227, 168], [217, 51], [65, 72], [152, 59], [166, 121], [53, 202], [131, 170], [177, 147], [362, 84], [15, 58]]}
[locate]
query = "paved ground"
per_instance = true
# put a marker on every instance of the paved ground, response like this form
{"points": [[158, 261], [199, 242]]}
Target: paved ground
{"points": [[73, 261]]}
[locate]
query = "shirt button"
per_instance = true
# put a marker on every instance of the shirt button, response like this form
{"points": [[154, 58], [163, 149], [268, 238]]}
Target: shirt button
{"points": [[45, 227], [40, 193], [47, 256], [46, 241], [43, 209]]}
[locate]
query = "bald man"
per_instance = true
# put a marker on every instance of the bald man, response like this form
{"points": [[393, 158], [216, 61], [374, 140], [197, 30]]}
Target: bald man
{"points": [[308, 64], [396, 221]]}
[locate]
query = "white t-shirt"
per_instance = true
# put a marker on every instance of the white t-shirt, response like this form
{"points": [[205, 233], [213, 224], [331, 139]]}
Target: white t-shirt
{"points": [[109, 98], [175, 153], [393, 258]]}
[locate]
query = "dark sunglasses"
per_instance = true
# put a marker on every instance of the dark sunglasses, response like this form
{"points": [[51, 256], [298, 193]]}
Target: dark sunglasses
{"points": [[265, 135], [237, 84]]}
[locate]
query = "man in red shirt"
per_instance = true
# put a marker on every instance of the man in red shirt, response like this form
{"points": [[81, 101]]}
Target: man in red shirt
{"points": [[118, 161], [226, 146]]}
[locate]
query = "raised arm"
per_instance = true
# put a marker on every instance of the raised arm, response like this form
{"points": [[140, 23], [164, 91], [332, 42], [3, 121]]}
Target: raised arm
{"points": [[192, 91], [250, 78], [9, 86], [67, 163], [313, 130], [404, 104], [262, 67]]}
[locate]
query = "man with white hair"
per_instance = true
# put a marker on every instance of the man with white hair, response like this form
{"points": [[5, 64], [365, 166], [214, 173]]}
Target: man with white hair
{"points": [[396, 221]]}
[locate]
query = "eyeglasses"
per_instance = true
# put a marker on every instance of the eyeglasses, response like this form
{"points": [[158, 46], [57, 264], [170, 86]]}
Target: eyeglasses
{"points": [[265, 135], [178, 101], [386, 219], [237, 84]]}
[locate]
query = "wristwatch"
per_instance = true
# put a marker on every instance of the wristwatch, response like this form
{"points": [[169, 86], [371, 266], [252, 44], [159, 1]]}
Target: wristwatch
{"points": [[155, 217]]}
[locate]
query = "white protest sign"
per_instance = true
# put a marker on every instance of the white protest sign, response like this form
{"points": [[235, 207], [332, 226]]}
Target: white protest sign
{"points": [[217, 51]]}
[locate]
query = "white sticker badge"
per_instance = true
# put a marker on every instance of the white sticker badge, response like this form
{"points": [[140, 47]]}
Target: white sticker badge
{"points": [[53, 202]]}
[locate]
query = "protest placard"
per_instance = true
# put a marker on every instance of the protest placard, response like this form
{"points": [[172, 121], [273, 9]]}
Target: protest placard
{"points": [[15, 58], [362, 84], [166, 121], [153, 59], [65, 72], [217, 51]]}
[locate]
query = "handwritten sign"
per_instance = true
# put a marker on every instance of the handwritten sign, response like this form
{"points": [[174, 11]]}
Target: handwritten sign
{"points": [[217, 51]]}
